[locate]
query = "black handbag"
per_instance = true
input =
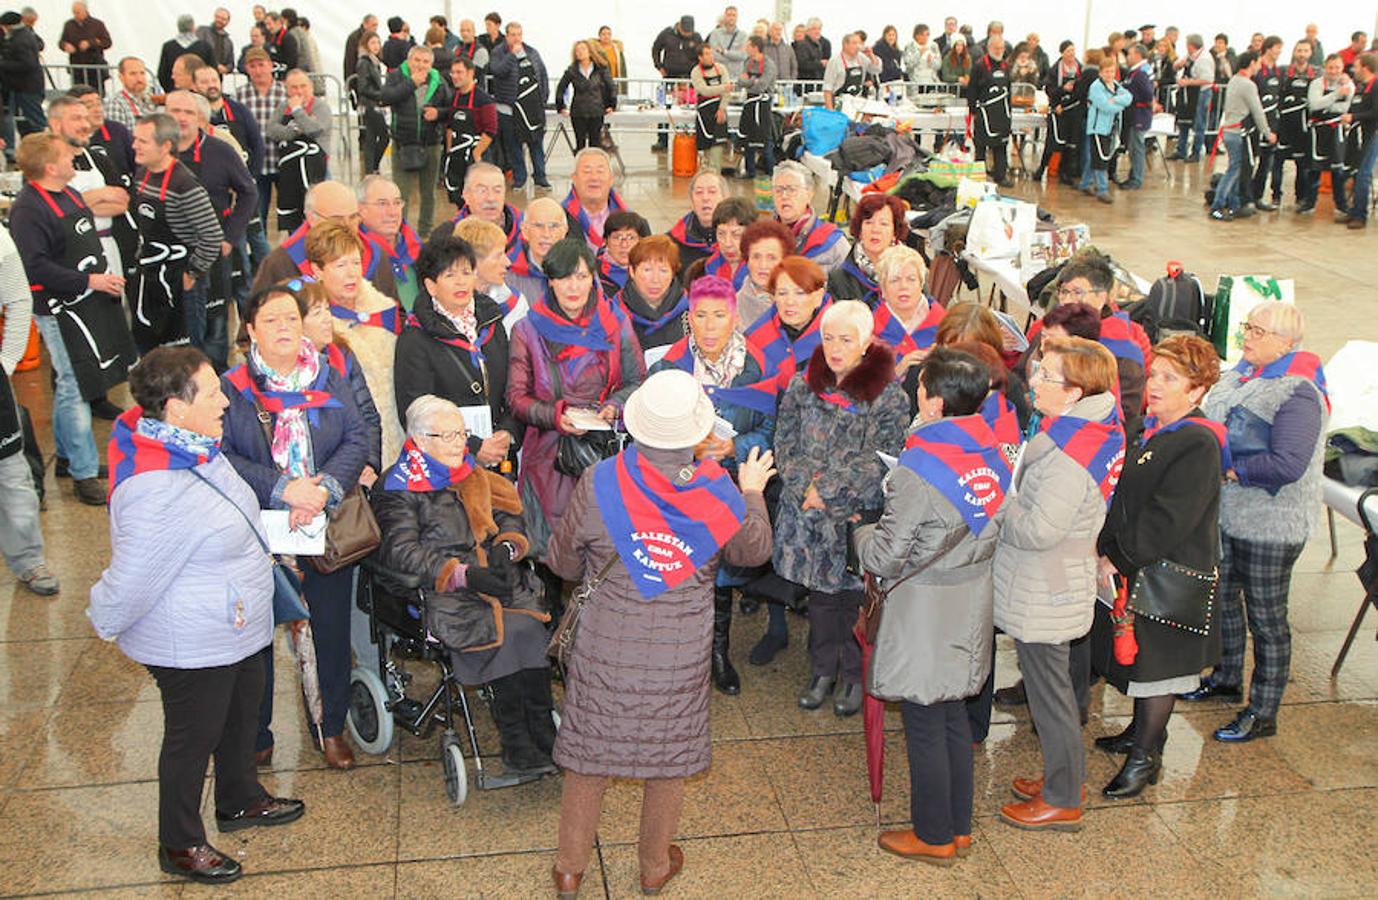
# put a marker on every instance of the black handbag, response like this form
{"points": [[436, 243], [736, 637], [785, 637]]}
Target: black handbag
{"points": [[410, 157], [576, 452], [1175, 595]]}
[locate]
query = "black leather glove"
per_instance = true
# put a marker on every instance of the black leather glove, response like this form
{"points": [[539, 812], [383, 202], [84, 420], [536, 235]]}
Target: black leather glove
{"points": [[489, 580]]}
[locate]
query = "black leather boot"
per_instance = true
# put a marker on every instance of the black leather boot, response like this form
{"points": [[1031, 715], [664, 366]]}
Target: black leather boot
{"points": [[520, 756], [724, 676], [1124, 741], [539, 705], [1141, 768]]}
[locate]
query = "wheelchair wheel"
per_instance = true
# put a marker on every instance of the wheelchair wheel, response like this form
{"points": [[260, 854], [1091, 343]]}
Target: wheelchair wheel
{"points": [[456, 775], [369, 722]]}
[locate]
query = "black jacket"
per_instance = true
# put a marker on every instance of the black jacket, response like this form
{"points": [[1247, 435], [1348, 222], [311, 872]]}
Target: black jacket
{"points": [[425, 365], [408, 125], [591, 96], [809, 56], [19, 62], [676, 53], [172, 50], [395, 51], [368, 82]]}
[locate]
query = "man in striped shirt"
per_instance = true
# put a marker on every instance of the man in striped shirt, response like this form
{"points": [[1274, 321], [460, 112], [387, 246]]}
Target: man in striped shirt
{"points": [[264, 97], [135, 98], [179, 234]]}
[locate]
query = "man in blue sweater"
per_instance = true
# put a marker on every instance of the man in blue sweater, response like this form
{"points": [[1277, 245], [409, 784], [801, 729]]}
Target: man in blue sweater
{"points": [[520, 87]]}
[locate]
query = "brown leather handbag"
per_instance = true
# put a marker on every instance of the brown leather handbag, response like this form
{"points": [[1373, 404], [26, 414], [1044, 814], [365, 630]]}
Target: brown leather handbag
{"points": [[562, 640], [352, 534]]}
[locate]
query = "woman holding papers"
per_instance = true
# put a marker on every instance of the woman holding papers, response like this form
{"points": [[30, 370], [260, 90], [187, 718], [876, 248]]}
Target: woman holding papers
{"points": [[189, 594], [931, 551], [294, 433], [1045, 563], [842, 408], [732, 373], [455, 347]]}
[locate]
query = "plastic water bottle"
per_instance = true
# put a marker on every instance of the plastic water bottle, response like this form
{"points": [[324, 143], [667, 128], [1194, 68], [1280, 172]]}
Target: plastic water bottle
{"points": [[660, 94]]}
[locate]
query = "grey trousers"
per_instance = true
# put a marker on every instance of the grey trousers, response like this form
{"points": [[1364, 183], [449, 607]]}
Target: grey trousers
{"points": [[1053, 703], [21, 537]]}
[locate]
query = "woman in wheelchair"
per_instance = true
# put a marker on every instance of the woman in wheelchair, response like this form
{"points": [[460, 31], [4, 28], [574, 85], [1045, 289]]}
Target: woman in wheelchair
{"points": [[459, 526]]}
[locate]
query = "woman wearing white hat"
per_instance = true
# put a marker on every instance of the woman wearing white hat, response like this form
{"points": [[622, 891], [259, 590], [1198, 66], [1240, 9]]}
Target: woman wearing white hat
{"points": [[649, 527]]}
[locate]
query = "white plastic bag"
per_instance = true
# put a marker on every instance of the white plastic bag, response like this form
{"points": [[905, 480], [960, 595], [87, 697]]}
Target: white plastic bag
{"points": [[1235, 297], [998, 228], [970, 192]]}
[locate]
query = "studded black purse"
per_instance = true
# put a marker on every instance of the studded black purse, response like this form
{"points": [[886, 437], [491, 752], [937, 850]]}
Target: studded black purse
{"points": [[1175, 595]]}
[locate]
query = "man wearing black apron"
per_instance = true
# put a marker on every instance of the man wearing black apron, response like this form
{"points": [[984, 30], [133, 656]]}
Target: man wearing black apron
{"points": [[757, 121], [76, 302], [1269, 81], [520, 87], [1066, 116], [471, 125], [301, 129], [21, 535], [712, 84], [1196, 75], [1294, 125], [1328, 99], [180, 237], [221, 171], [845, 74], [988, 103]]}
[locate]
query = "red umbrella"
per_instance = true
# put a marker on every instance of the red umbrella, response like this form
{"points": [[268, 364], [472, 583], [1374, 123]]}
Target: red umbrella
{"points": [[872, 717]]}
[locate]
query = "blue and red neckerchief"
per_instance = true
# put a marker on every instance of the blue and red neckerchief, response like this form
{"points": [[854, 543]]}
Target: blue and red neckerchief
{"points": [[404, 251], [295, 247], [1000, 415], [1298, 363], [961, 457], [129, 453], [390, 319], [511, 216], [783, 358], [663, 531], [820, 238], [870, 290], [1098, 447], [1117, 336], [890, 330], [475, 351], [597, 331], [313, 399], [373, 250], [522, 266], [652, 325], [576, 209], [611, 274], [680, 233], [718, 265], [1219, 431], [338, 359], [421, 473], [759, 396]]}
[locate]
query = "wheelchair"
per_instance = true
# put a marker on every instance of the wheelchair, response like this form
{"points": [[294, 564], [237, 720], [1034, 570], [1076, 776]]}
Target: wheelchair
{"points": [[378, 699]]}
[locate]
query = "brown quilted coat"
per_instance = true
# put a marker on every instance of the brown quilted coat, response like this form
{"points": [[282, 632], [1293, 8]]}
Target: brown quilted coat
{"points": [[636, 688]]}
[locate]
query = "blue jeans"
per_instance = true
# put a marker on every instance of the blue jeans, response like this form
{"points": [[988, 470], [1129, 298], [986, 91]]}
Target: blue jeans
{"points": [[207, 317], [265, 195], [1363, 182], [21, 538], [1097, 178], [513, 139], [31, 105], [1227, 191], [766, 154], [1136, 157], [71, 413], [1203, 105]]}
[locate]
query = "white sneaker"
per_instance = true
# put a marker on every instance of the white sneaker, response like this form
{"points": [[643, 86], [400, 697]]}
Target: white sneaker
{"points": [[40, 580]]}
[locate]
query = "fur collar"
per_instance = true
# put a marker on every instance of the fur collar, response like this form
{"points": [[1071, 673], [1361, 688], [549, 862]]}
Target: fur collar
{"points": [[864, 383]]}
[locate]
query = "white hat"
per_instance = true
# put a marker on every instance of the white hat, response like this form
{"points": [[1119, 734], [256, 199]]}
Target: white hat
{"points": [[669, 411]]}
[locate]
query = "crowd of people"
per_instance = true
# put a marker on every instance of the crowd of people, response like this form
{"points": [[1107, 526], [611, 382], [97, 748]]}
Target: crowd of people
{"points": [[750, 409]]}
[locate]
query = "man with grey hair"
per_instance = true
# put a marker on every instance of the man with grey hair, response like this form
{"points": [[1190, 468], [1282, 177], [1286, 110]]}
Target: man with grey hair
{"points": [[281, 46], [185, 41], [544, 224], [381, 216], [823, 242], [415, 92], [180, 237], [592, 198], [216, 36], [85, 40], [221, 171], [485, 197], [1195, 71], [301, 130], [694, 233], [779, 51]]}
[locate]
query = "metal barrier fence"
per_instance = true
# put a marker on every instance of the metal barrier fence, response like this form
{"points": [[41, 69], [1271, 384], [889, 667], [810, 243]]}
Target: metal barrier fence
{"points": [[679, 91]]}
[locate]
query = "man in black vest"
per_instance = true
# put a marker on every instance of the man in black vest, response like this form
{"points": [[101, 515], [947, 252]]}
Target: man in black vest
{"points": [[988, 102], [520, 87]]}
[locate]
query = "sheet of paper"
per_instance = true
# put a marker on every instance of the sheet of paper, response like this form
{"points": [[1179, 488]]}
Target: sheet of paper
{"points": [[308, 540], [478, 420], [655, 354], [722, 429], [1011, 327], [587, 420]]}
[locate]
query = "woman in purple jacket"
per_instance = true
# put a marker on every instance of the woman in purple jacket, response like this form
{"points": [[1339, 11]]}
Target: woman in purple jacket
{"points": [[303, 455], [189, 594]]}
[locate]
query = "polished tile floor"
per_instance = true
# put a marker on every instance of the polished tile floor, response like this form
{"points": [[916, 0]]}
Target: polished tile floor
{"points": [[785, 809]]}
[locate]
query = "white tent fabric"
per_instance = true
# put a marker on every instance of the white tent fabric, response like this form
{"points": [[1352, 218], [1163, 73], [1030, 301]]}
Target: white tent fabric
{"points": [[139, 27]]}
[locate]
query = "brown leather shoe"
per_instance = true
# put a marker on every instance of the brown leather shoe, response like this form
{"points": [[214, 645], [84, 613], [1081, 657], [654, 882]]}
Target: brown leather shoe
{"points": [[962, 844], [566, 883], [651, 888], [338, 753], [907, 844], [201, 863], [1029, 788], [263, 759], [1356, 224], [1035, 815]]}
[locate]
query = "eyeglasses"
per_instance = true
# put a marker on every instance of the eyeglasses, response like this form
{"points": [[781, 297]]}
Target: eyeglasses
{"points": [[1041, 374], [446, 437], [1076, 294], [789, 190], [623, 237], [1251, 330]]}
